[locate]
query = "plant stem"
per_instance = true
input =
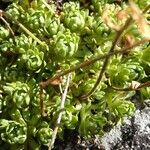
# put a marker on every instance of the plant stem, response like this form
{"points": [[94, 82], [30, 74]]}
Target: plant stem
{"points": [[8, 26], [146, 84], [89, 62], [146, 9], [43, 114], [82, 65], [24, 28], [105, 64], [142, 85], [63, 98], [46, 4]]}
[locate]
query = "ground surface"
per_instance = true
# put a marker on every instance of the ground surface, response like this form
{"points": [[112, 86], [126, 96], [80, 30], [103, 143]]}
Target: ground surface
{"points": [[134, 134]]}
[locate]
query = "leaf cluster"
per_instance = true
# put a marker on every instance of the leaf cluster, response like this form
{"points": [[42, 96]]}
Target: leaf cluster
{"points": [[47, 40]]}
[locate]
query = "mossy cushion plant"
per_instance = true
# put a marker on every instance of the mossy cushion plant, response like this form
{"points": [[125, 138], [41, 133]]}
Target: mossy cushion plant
{"points": [[104, 45]]}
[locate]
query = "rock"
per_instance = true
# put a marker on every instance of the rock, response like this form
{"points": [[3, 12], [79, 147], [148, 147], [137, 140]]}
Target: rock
{"points": [[134, 134]]}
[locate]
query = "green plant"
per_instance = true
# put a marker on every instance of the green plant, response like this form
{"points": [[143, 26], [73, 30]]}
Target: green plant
{"points": [[103, 45]]}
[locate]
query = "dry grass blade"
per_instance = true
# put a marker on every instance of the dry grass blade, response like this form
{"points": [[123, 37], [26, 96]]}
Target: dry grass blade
{"points": [[7, 15], [138, 17], [63, 98], [6, 23]]}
